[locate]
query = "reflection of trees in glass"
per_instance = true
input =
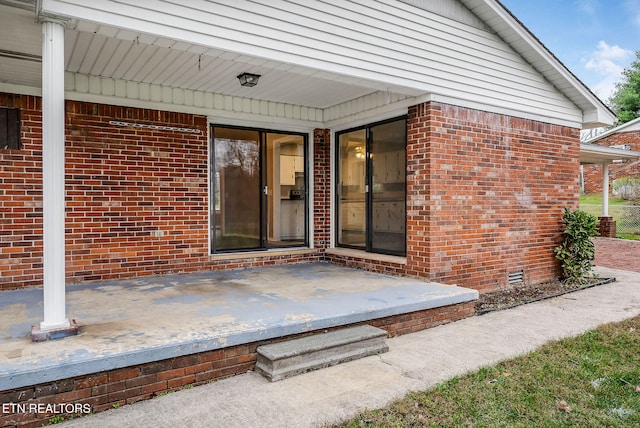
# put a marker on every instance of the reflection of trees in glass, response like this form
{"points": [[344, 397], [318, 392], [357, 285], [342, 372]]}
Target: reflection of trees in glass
{"points": [[237, 153], [237, 161], [216, 195]]}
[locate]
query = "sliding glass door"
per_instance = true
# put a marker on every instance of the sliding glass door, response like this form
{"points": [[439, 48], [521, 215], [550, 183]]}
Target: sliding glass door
{"points": [[387, 169], [239, 203], [352, 190], [258, 189], [372, 188]]}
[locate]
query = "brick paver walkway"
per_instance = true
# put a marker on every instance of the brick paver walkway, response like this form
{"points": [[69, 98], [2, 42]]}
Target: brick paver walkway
{"points": [[618, 253]]}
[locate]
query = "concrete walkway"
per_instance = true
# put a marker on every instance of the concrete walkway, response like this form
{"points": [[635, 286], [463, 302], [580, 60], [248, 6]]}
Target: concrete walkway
{"points": [[415, 361]]}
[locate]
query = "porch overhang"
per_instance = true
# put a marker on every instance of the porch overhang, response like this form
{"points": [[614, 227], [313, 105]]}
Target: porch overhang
{"points": [[314, 69], [603, 155], [596, 154]]}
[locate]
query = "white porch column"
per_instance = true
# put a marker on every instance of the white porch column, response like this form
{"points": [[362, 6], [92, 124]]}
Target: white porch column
{"points": [[605, 189], [53, 175]]}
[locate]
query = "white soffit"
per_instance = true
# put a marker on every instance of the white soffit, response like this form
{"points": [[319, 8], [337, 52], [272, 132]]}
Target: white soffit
{"points": [[146, 59], [124, 49], [595, 154]]}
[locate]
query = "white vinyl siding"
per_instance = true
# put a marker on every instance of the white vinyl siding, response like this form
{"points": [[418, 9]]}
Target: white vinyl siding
{"points": [[392, 45]]}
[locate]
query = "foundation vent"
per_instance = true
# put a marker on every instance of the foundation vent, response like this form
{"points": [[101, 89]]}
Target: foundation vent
{"points": [[516, 277]]}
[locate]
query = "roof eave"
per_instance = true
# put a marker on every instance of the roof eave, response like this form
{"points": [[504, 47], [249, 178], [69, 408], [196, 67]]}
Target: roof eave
{"points": [[615, 130], [595, 112], [595, 154]]}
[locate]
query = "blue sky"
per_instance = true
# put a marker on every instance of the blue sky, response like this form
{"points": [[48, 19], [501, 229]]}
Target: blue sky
{"points": [[595, 39]]}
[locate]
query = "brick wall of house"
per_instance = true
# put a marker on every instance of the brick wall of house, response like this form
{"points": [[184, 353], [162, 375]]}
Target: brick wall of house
{"points": [[368, 263], [137, 198], [21, 199], [321, 188], [486, 194], [593, 173]]}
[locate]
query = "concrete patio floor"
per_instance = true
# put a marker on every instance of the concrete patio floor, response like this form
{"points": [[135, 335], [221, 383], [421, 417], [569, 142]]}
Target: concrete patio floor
{"points": [[134, 321]]}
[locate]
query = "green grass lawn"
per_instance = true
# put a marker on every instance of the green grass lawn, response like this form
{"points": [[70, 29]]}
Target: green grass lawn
{"points": [[630, 236], [591, 380], [596, 198]]}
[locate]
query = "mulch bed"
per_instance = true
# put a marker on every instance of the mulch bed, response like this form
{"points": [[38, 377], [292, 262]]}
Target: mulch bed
{"points": [[522, 294]]}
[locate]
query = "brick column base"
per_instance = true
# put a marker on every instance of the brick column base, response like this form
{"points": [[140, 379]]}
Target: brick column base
{"points": [[607, 227]]}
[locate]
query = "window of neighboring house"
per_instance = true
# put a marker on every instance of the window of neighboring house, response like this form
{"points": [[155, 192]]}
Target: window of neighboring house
{"points": [[10, 128]]}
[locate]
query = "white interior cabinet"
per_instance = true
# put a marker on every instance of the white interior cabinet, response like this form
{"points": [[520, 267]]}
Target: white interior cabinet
{"points": [[292, 219], [289, 165]]}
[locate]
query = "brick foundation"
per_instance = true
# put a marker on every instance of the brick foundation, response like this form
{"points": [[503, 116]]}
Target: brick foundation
{"points": [[607, 227], [368, 263], [101, 391]]}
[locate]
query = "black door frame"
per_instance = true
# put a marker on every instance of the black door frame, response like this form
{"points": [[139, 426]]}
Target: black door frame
{"points": [[368, 247], [262, 187]]}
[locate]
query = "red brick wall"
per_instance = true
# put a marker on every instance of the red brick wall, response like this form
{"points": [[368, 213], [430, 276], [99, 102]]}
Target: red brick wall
{"points": [[321, 188], [485, 195], [126, 184], [124, 187], [370, 264], [593, 173], [21, 199]]}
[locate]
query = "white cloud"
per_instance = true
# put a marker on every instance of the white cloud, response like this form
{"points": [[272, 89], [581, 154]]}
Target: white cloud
{"points": [[607, 63]]}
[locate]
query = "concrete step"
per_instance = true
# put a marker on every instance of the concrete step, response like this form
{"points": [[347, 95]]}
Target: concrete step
{"points": [[281, 360]]}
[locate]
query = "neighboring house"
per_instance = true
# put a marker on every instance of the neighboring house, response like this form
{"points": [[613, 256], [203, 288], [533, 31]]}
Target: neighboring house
{"points": [[625, 136], [436, 139]]}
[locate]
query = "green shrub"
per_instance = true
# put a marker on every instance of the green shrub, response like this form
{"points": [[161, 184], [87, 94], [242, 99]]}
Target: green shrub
{"points": [[577, 251]]}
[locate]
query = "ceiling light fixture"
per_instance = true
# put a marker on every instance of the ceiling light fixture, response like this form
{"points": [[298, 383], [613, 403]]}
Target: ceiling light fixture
{"points": [[248, 79]]}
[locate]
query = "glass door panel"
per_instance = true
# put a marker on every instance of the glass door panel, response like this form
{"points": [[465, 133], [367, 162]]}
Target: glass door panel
{"points": [[237, 186], [287, 193], [388, 182], [258, 189], [372, 188], [352, 189]]}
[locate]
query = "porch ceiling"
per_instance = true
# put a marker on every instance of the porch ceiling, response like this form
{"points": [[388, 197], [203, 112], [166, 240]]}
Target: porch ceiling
{"points": [[109, 52]]}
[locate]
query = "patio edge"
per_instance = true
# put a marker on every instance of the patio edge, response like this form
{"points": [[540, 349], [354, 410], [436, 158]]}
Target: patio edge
{"points": [[101, 390]]}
